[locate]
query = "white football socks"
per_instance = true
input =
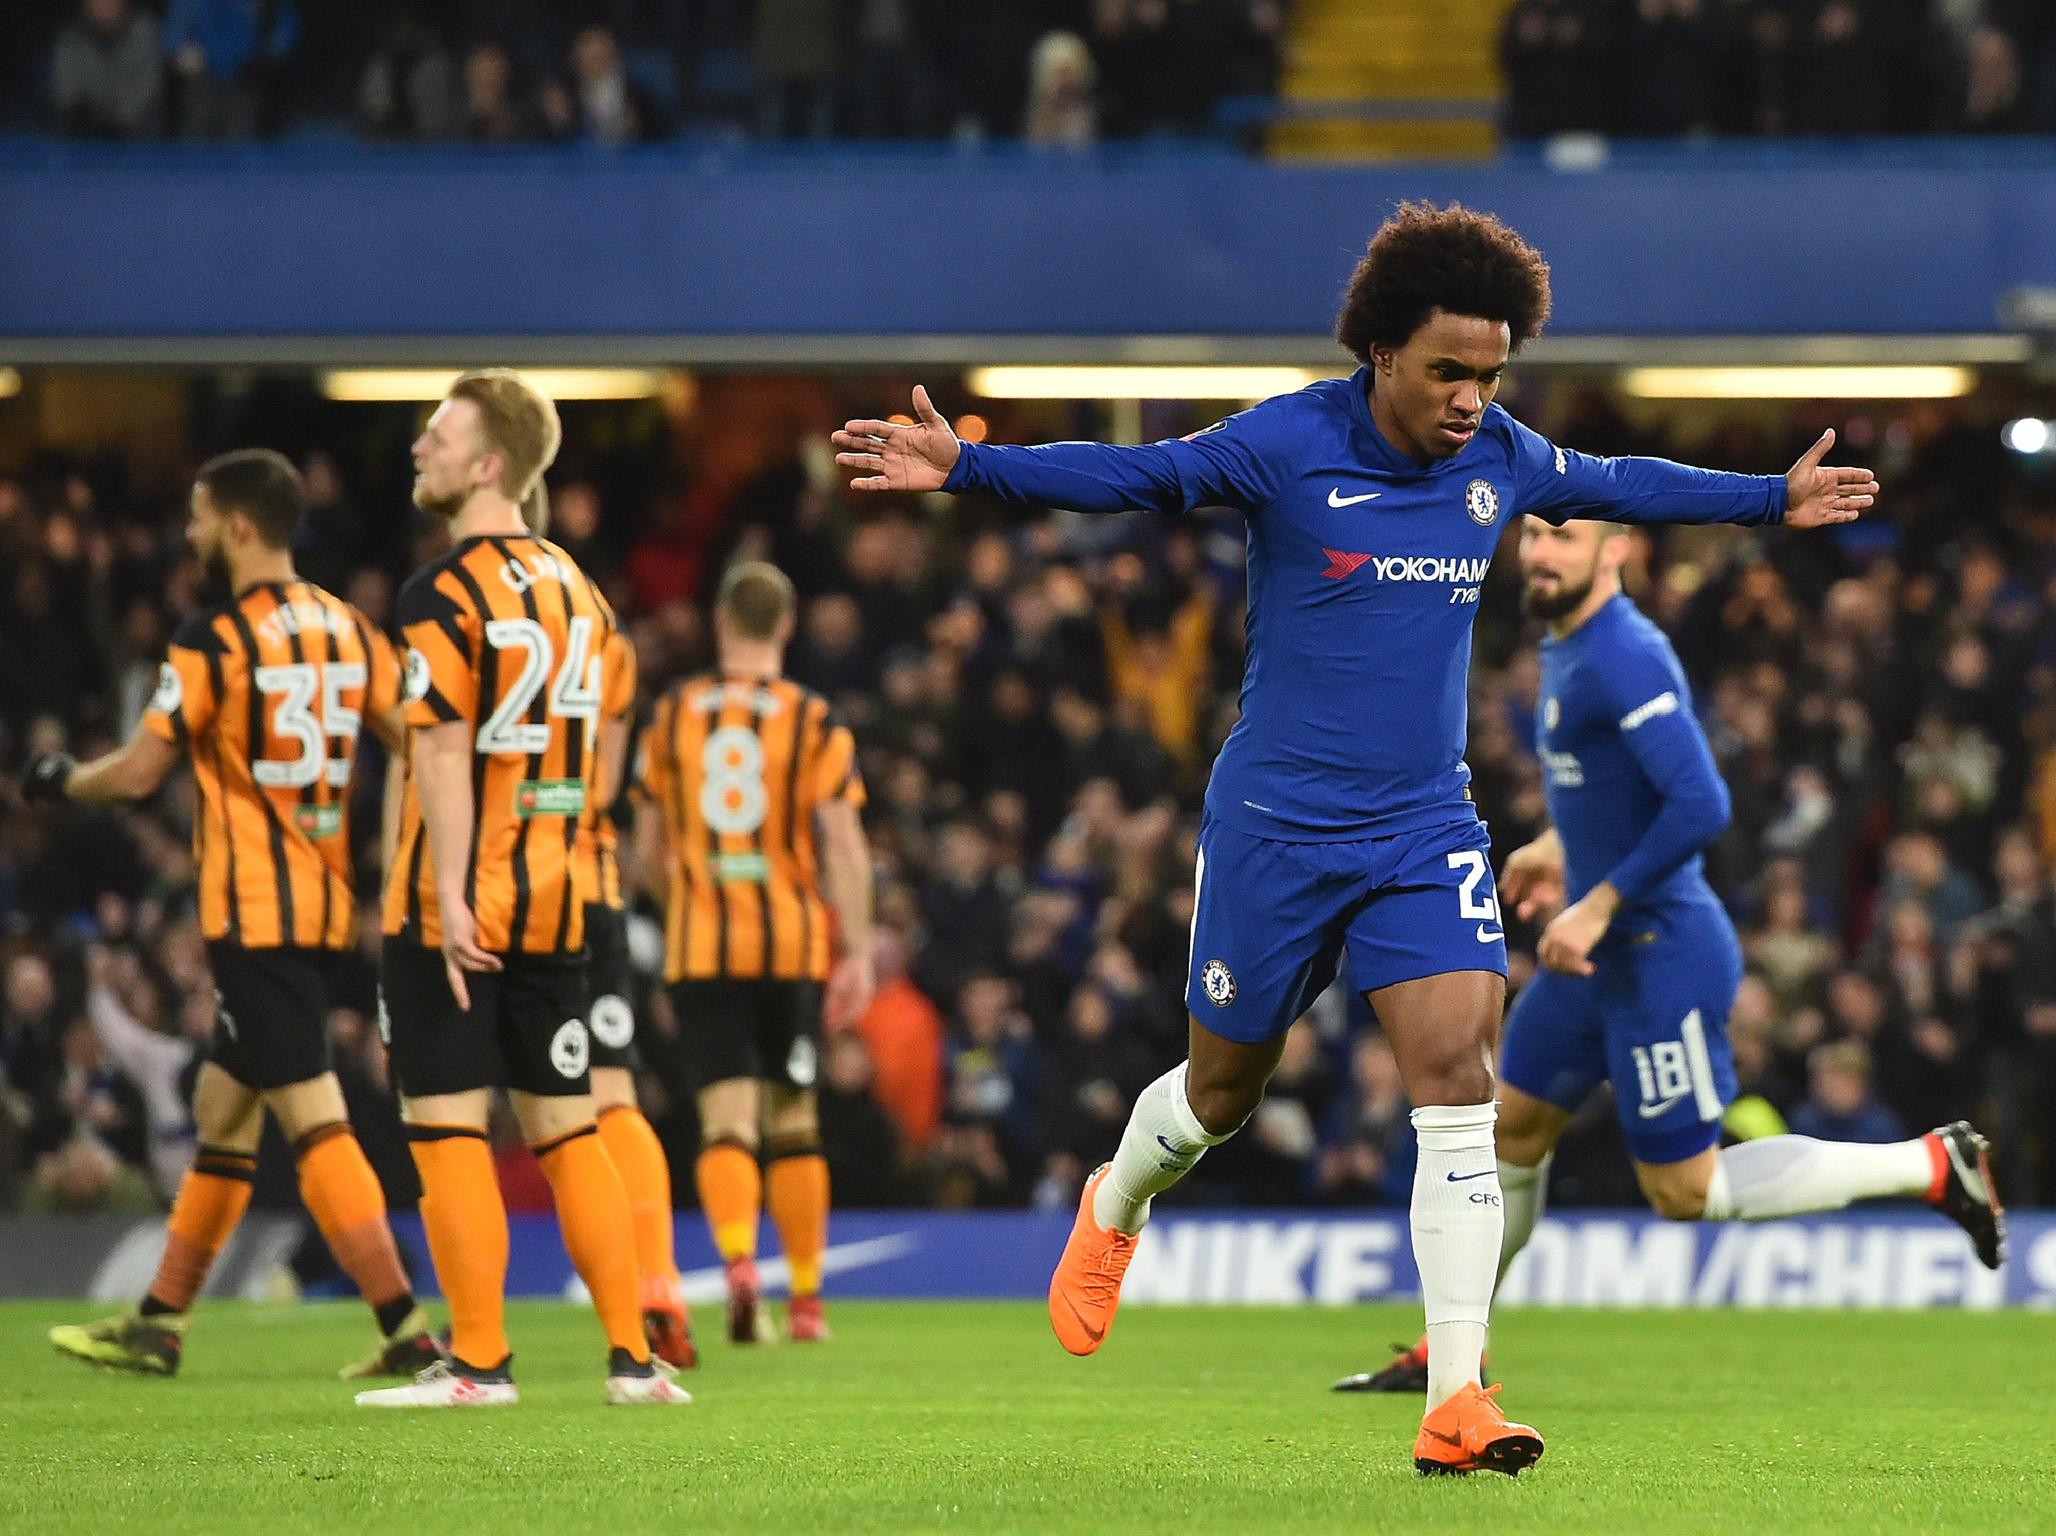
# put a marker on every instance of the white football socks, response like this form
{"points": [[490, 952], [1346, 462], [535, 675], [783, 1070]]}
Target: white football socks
{"points": [[1163, 1140], [1788, 1175], [1526, 1191], [1458, 1220]]}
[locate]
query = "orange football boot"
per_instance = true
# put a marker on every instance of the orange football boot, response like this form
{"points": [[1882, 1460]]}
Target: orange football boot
{"points": [[1086, 1288], [1468, 1433]]}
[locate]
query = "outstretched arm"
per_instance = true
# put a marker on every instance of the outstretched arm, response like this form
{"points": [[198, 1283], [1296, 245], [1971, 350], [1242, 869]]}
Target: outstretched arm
{"points": [[1559, 484], [1226, 465]]}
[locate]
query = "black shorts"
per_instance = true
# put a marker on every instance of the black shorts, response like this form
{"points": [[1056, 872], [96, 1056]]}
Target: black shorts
{"points": [[270, 1013], [526, 1028], [734, 1027], [611, 1016]]}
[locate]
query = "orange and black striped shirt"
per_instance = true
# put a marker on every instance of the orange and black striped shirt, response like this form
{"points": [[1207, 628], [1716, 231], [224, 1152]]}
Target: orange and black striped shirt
{"points": [[737, 766], [505, 632], [598, 838], [267, 696]]}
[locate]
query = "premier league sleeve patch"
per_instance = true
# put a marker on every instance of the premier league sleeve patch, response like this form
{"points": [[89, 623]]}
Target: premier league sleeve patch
{"points": [[417, 676]]}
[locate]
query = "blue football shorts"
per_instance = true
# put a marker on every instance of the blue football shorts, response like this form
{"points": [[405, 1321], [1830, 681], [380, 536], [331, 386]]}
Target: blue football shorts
{"points": [[1271, 919], [1652, 1019]]}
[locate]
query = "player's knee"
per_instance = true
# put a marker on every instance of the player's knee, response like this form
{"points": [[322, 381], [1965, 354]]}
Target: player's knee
{"points": [[1676, 1202], [613, 1088], [1223, 1107], [1456, 1078]]}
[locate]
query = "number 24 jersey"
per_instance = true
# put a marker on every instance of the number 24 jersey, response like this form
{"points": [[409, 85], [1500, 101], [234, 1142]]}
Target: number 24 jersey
{"points": [[505, 632]]}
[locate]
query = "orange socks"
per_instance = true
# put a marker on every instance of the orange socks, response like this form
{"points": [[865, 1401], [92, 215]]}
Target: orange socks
{"points": [[467, 1236], [646, 1177], [796, 1189], [211, 1200], [343, 1195], [592, 1211], [732, 1194]]}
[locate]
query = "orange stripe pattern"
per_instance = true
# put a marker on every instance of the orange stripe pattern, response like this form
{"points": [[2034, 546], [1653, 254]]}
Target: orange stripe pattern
{"points": [[506, 634], [598, 838], [737, 767], [267, 695]]}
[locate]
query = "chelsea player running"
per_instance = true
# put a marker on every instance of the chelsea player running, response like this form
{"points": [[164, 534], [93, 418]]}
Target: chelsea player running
{"points": [[1338, 813], [1640, 969]]}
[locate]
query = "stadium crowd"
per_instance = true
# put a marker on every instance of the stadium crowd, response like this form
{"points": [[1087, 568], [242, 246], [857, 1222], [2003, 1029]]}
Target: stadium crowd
{"points": [[1037, 703], [1064, 73], [1753, 68]]}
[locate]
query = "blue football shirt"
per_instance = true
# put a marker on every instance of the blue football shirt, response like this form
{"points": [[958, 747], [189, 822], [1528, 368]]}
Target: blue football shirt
{"points": [[1364, 570], [1631, 783]]}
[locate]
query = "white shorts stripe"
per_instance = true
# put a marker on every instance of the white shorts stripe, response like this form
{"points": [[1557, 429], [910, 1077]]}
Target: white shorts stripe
{"points": [[1192, 932], [1692, 1031]]}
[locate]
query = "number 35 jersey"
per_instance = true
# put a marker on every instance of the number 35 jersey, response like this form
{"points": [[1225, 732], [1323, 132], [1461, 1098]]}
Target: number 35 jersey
{"points": [[505, 633], [267, 696], [737, 765]]}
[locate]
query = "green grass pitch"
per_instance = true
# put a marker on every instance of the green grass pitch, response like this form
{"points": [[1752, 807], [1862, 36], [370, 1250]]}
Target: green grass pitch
{"points": [[967, 1418]]}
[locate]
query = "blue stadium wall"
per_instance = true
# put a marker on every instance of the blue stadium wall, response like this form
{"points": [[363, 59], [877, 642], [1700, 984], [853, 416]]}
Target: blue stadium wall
{"points": [[337, 242], [1880, 1257]]}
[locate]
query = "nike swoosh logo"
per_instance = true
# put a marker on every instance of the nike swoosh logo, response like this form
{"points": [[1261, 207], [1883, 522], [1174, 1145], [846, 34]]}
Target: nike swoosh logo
{"points": [[1436, 1434], [1489, 938], [1337, 499], [1463, 1178], [1169, 1148], [1651, 1111], [1092, 1333], [711, 1284]]}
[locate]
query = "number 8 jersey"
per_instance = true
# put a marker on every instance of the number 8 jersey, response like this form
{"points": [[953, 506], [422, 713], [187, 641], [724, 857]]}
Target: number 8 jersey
{"points": [[506, 632], [267, 696], [737, 766]]}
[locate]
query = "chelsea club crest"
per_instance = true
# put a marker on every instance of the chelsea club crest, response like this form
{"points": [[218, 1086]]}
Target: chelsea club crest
{"points": [[1218, 982], [1482, 502]]}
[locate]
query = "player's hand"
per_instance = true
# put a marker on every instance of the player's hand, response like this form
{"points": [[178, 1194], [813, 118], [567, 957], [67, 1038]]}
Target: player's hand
{"points": [[1567, 942], [1532, 881], [1816, 496], [851, 986], [890, 457], [48, 776], [461, 952]]}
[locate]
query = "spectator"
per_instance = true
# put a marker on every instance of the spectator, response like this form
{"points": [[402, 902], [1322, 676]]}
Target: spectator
{"points": [[1673, 65], [798, 58], [1992, 86], [82, 1177], [1060, 85], [903, 1031], [228, 59], [408, 89], [1840, 1106], [864, 1155], [1367, 1150], [491, 114], [107, 73], [598, 103], [891, 74]]}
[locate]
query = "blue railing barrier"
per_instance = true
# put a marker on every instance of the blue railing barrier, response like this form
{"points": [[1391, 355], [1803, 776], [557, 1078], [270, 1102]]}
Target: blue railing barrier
{"points": [[1894, 1258], [346, 240], [1883, 1257]]}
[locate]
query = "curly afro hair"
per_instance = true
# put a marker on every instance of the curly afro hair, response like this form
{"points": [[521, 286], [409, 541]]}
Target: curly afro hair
{"points": [[1426, 258]]}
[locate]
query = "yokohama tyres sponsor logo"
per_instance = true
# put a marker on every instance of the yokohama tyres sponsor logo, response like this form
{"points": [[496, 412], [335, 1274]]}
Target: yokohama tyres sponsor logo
{"points": [[1429, 568]]}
